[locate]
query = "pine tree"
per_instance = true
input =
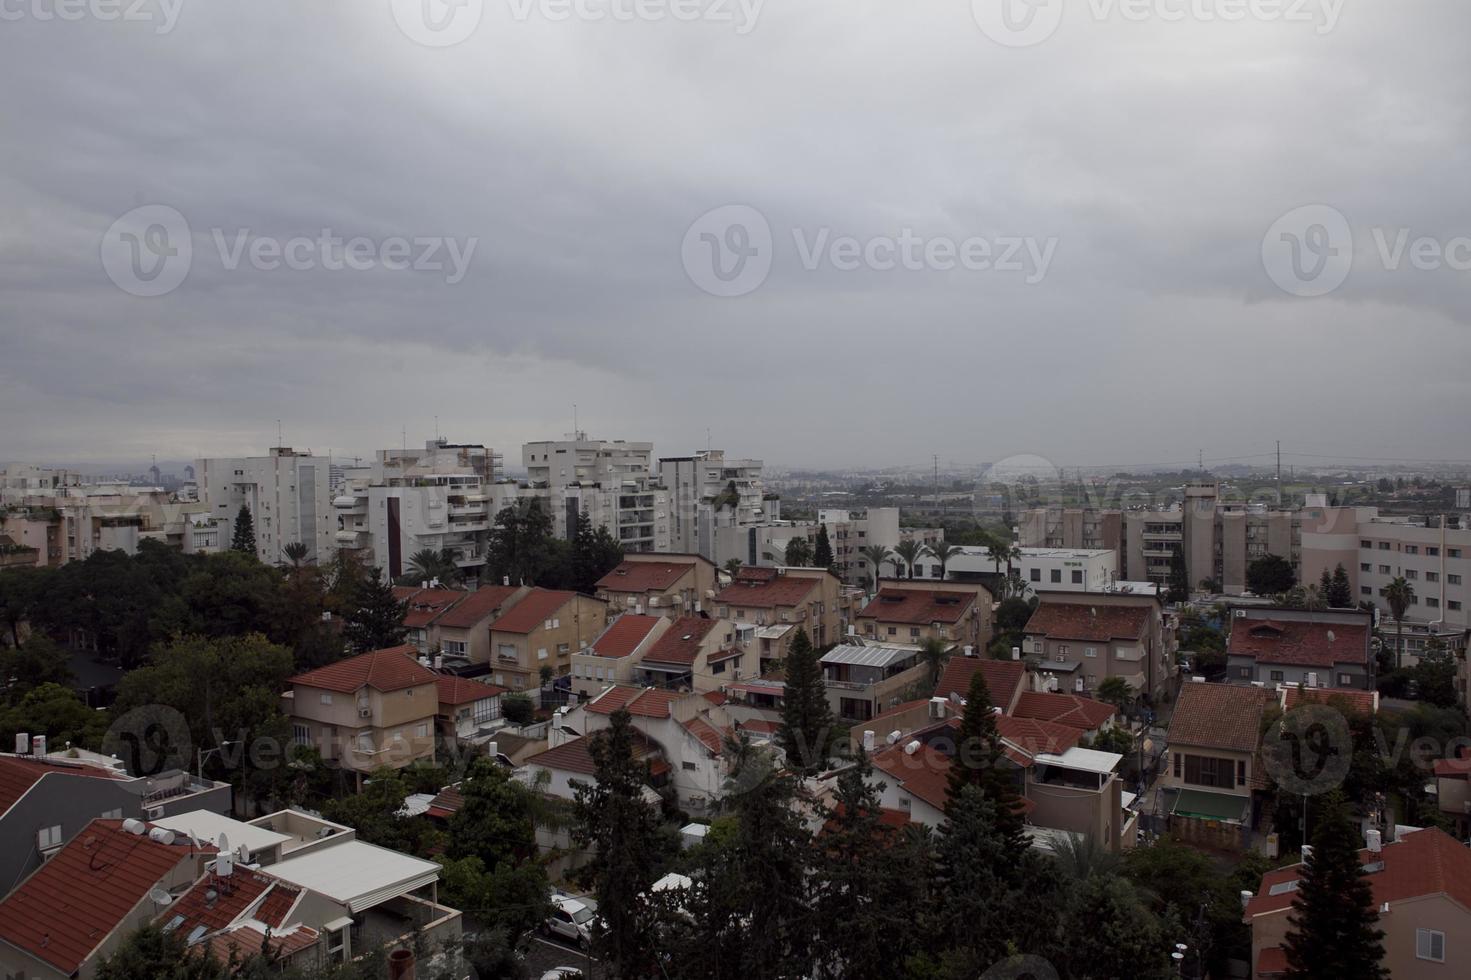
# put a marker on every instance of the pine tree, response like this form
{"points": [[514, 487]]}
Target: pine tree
{"points": [[375, 620], [621, 830], [980, 761], [807, 721], [1340, 592], [1179, 582], [1332, 929], [822, 555], [244, 537]]}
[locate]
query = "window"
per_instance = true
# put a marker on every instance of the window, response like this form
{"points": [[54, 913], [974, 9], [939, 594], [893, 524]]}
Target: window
{"points": [[1430, 945], [1453, 579], [1090, 651], [1056, 575], [1036, 574], [365, 742], [1411, 574], [1240, 772], [48, 837], [1432, 550], [1277, 676], [1204, 770], [563, 648], [301, 735], [1384, 546], [914, 632], [1244, 673], [1412, 549], [1365, 543], [422, 731], [718, 667], [541, 654], [1432, 602], [1178, 757], [1454, 604], [1062, 649], [326, 698], [1365, 566], [487, 709], [1077, 576], [893, 631], [1432, 576], [1383, 569], [1365, 590], [454, 648], [1345, 680], [1453, 552], [690, 766]]}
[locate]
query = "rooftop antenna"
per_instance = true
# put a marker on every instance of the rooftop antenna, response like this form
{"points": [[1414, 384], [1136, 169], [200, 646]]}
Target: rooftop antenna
{"points": [[280, 439], [576, 435], [1279, 474], [436, 428]]}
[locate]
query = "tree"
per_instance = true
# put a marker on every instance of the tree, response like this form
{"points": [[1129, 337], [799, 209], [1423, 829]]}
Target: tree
{"points": [[1110, 932], [375, 813], [1115, 691], [595, 553], [942, 553], [732, 567], [429, 565], [520, 543], [1179, 580], [295, 553], [1333, 926], [798, 553], [244, 537], [25, 667], [1270, 575], [1400, 595], [375, 620], [621, 831], [151, 952], [934, 651], [56, 712], [980, 761], [822, 554], [876, 555], [1340, 593], [20, 590], [518, 709], [1002, 552], [909, 553], [806, 718], [1435, 674]]}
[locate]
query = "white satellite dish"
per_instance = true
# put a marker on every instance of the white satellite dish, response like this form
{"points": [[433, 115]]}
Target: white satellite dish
{"points": [[160, 897]]}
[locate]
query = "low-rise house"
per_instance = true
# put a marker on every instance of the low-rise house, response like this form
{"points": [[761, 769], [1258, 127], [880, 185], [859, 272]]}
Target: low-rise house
{"points": [[611, 656], [779, 601], [74, 910], [1085, 714], [697, 654], [369, 711], [46, 800], [912, 612], [422, 607], [1007, 680], [665, 584], [469, 709], [864, 680], [1214, 765], [1422, 888], [1453, 789], [562, 770], [543, 629], [462, 632], [1311, 648], [1083, 641]]}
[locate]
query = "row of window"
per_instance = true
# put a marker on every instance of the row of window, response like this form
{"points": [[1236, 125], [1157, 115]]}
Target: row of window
{"points": [[1431, 550]]}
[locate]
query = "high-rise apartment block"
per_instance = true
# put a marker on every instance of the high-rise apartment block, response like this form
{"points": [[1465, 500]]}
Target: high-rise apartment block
{"points": [[612, 482], [287, 494]]}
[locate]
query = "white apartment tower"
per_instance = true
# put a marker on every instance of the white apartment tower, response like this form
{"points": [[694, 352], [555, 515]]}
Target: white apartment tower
{"points": [[610, 481], [287, 494], [707, 491]]}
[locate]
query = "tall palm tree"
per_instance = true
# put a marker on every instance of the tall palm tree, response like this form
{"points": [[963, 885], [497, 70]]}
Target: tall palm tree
{"points": [[1400, 595], [908, 552], [427, 564], [295, 553], [1002, 552], [877, 554], [933, 651], [942, 553], [732, 566]]}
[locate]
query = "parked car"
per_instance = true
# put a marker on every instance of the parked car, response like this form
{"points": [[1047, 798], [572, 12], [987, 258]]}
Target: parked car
{"points": [[571, 920], [563, 973]]}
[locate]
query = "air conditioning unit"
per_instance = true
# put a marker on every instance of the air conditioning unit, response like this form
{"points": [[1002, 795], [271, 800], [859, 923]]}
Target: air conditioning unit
{"points": [[365, 712], [655, 601], [1241, 614], [153, 813]]}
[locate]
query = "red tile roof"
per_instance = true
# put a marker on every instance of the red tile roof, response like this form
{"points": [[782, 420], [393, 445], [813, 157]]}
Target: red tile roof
{"points": [[768, 592], [715, 697], [645, 702], [918, 606], [1219, 716], [576, 755], [426, 604], [247, 941], [1003, 677], [392, 669], [1299, 643], [232, 897], [924, 774], [708, 734], [19, 773], [476, 606], [1064, 709], [1035, 737], [1458, 767], [1082, 621], [447, 803], [1358, 702], [644, 576], [463, 690], [1272, 962], [1425, 862], [533, 610], [681, 642], [624, 635], [63, 911]]}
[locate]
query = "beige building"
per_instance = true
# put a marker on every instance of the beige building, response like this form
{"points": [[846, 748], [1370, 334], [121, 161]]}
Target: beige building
{"points": [[463, 631], [662, 585], [707, 491], [1215, 742], [1079, 640], [542, 629], [912, 611], [778, 602], [367, 712]]}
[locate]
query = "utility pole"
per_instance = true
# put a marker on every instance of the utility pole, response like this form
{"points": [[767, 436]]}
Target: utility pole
{"points": [[1279, 474]]}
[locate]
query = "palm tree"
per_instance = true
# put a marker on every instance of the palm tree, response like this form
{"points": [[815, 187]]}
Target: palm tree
{"points": [[908, 552], [877, 554], [295, 553], [427, 565], [732, 566], [1081, 856], [933, 651], [942, 553], [1002, 552], [1400, 595]]}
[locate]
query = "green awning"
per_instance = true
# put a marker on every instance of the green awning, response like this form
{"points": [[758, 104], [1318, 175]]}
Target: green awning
{"points": [[1204, 805]]}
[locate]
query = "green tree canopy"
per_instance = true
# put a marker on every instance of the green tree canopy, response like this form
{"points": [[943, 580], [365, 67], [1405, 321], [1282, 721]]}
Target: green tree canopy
{"points": [[243, 539], [806, 731]]}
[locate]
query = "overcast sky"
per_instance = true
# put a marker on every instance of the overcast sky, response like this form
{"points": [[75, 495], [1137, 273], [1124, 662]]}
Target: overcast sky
{"points": [[1144, 160]]}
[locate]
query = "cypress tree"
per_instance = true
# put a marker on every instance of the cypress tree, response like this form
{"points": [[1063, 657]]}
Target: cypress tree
{"points": [[822, 555], [1333, 926], [980, 761], [376, 619], [806, 719], [244, 537], [1340, 593], [1179, 582]]}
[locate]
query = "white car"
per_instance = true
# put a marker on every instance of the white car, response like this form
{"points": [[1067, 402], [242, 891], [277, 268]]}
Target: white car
{"points": [[570, 920], [563, 973]]}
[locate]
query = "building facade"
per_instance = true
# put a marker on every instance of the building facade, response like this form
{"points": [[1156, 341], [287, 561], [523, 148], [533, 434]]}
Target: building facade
{"points": [[287, 493]]}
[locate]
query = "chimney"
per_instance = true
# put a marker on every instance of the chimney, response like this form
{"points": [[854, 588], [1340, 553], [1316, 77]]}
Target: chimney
{"points": [[1376, 841], [401, 964], [868, 741]]}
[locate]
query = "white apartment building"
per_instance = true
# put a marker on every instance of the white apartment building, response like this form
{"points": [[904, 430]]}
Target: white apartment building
{"points": [[287, 494], [441, 498], [707, 491], [848, 532], [612, 482], [1043, 569]]}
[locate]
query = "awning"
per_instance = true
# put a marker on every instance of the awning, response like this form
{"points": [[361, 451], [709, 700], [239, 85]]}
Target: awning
{"points": [[1203, 805]]}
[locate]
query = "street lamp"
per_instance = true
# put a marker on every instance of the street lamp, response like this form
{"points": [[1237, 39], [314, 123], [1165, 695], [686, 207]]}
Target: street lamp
{"points": [[201, 754]]}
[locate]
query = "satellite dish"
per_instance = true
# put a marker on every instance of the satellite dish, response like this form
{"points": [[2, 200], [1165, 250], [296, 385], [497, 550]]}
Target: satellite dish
{"points": [[242, 855], [160, 897]]}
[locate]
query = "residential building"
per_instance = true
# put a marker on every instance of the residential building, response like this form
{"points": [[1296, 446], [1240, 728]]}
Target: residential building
{"points": [[543, 629], [1006, 680], [424, 606], [612, 482], [469, 709], [609, 659], [709, 491], [849, 532], [1214, 764], [1052, 569], [1313, 648], [287, 493], [1082, 642], [691, 653], [780, 601], [366, 712], [910, 612], [461, 633], [670, 585], [1453, 790], [1422, 888], [74, 910], [864, 680]]}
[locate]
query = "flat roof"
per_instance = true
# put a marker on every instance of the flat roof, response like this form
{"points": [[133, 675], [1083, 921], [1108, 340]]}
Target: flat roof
{"points": [[1210, 806], [358, 874], [1088, 760], [869, 656], [207, 827]]}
